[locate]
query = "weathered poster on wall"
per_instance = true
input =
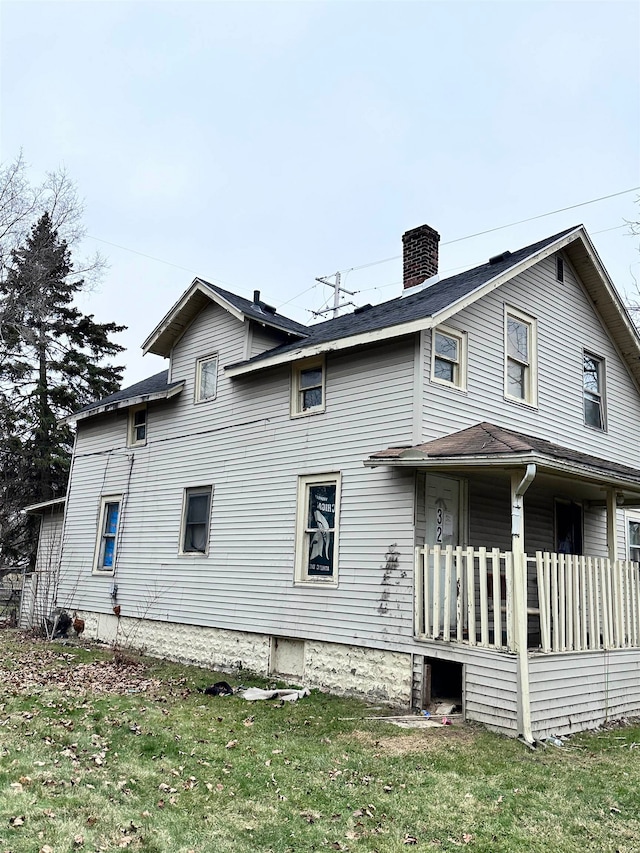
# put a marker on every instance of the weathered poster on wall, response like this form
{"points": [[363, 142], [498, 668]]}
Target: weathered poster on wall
{"points": [[321, 529]]}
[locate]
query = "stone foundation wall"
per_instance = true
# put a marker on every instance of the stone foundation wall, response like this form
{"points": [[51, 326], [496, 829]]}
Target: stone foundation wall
{"points": [[373, 674]]}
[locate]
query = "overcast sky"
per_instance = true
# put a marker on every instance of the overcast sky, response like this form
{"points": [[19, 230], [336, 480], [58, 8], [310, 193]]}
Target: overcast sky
{"points": [[260, 145]]}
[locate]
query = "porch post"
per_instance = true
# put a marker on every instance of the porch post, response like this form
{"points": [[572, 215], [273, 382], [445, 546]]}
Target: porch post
{"points": [[518, 488], [612, 533]]}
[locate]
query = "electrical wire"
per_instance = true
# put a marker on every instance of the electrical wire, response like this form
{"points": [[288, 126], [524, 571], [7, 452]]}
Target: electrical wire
{"points": [[347, 270], [502, 227]]}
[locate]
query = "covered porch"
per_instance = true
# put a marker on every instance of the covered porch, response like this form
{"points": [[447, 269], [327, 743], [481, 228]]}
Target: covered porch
{"points": [[521, 555]]}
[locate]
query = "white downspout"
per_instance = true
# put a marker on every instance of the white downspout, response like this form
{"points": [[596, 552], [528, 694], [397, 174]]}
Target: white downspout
{"points": [[520, 597]]}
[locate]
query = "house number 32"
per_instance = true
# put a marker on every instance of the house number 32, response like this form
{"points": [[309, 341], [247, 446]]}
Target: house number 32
{"points": [[439, 518]]}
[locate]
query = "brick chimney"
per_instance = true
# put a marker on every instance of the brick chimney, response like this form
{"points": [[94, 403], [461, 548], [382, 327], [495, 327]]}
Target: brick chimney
{"points": [[419, 255]]}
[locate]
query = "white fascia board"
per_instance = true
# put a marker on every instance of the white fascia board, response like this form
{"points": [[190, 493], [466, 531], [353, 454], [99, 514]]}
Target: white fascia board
{"points": [[331, 346], [197, 285], [123, 404], [406, 328], [544, 463], [36, 508]]}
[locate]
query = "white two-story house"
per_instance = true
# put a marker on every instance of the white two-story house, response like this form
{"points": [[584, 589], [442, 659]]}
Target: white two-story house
{"points": [[434, 496]]}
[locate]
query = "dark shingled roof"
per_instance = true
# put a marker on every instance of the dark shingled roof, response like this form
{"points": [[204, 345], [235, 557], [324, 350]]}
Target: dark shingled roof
{"points": [[152, 385], [486, 439], [404, 309], [255, 312]]}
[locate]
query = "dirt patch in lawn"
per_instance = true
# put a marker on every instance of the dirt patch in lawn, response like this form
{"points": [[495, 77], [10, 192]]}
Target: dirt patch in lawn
{"points": [[422, 740]]}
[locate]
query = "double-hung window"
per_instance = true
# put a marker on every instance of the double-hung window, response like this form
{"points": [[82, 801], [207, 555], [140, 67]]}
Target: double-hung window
{"points": [[308, 387], [634, 539], [196, 515], [520, 357], [137, 426], [593, 390], [107, 541], [206, 378], [317, 529], [448, 362]]}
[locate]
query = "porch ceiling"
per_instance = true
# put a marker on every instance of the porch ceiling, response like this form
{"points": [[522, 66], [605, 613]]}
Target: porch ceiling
{"points": [[486, 446]]}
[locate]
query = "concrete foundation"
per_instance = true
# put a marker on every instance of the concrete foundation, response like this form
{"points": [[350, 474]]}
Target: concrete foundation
{"points": [[373, 674]]}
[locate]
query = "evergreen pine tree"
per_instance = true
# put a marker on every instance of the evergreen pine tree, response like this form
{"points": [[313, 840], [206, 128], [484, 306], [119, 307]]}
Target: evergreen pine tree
{"points": [[52, 362]]}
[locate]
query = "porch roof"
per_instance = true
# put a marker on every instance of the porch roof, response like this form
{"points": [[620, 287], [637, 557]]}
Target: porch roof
{"points": [[486, 445]]}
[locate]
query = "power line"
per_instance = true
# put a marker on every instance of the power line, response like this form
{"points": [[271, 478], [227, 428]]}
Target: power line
{"points": [[383, 260], [502, 227], [471, 265]]}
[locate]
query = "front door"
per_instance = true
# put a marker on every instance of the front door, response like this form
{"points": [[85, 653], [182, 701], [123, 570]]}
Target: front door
{"points": [[443, 510], [443, 526]]}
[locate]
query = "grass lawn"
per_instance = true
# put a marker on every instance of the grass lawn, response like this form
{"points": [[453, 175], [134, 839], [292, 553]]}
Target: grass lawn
{"points": [[98, 756]]}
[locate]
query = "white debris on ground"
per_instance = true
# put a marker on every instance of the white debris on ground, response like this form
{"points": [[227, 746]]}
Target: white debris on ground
{"points": [[253, 694]]}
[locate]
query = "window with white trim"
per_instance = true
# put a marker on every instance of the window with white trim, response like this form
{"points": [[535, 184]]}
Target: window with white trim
{"points": [[137, 429], [593, 390], [307, 387], [633, 540], [107, 540], [206, 378], [449, 357], [520, 369], [317, 529], [196, 516]]}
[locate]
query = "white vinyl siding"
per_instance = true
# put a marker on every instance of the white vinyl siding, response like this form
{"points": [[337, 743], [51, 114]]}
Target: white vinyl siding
{"points": [[254, 453], [559, 416]]}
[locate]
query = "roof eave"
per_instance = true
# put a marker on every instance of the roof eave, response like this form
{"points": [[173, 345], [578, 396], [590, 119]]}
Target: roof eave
{"points": [[124, 403], [181, 315], [547, 464], [178, 318], [37, 509]]}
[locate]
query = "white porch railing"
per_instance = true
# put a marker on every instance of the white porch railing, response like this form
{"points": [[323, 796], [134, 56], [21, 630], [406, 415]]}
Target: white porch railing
{"points": [[466, 595], [587, 602]]}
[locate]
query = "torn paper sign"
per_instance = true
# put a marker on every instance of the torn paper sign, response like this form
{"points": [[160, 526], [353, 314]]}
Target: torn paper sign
{"points": [[252, 694]]}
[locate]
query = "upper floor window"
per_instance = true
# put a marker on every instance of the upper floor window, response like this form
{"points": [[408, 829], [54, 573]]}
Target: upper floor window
{"points": [[206, 378], [449, 356], [593, 390], [317, 529], [196, 515], [105, 552], [634, 540], [308, 387], [520, 357], [137, 430]]}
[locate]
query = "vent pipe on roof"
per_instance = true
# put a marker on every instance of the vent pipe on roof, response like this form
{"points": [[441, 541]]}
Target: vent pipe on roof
{"points": [[419, 255], [256, 297]]}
